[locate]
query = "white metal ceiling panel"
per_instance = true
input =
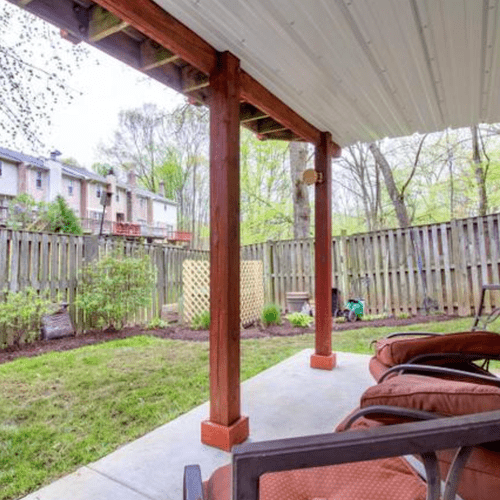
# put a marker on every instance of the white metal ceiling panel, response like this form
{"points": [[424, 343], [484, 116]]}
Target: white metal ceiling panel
{"points": [[363, 69]]}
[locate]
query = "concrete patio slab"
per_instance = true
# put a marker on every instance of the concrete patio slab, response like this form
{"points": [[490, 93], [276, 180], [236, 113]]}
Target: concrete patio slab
{"points": [[287, 400]]}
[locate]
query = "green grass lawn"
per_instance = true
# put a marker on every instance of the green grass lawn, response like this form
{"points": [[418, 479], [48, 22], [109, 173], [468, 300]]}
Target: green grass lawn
{"points": [[61, 410]]}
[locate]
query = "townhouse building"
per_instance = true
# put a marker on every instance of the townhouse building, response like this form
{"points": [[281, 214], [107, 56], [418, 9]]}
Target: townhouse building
{"points": [[127, 208]]}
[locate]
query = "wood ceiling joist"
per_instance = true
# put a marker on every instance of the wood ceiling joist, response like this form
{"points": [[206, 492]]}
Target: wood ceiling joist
{"points": [[155, 23], [284, 135], [192, 80], [103, 23], [256, 94], [249, 113], [154, 55]]}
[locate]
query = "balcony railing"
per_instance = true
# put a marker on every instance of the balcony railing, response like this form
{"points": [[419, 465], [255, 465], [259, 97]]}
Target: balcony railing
{"points": [[135, 230]]}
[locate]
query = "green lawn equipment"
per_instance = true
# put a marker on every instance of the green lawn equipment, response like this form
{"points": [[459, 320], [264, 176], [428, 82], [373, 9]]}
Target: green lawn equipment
{"points": [[353, 309]]}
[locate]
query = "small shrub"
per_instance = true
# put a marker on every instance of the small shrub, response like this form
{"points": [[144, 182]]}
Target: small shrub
{"points": [[339, 319], [21, 316], [156, 324], [201, 321], [372, 317], [114, 288], [271, 315], [403, 315], [299, 319]]}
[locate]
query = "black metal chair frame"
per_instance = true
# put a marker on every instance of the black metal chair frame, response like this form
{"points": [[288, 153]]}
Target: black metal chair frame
{"points": [[250, 461]]}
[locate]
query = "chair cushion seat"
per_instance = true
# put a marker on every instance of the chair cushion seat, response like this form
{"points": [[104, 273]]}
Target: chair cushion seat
{"points": [[399, 350], [445, 397], [384, 479]]}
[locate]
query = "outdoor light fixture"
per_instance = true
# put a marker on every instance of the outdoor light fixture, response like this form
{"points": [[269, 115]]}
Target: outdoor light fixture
{"points": [[310, 176]]}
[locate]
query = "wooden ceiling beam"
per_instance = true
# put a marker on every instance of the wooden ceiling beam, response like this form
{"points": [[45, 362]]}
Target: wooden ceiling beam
{"points": [[154, 55], [103, 23], [151, 20], [255, 93]]}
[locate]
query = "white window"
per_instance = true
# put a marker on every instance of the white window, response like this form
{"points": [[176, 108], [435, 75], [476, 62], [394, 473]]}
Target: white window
{"points": [[164, 207], [70, 187], [0, 169], [117, 197], [141, 202], [39, 179], [98, 191]]}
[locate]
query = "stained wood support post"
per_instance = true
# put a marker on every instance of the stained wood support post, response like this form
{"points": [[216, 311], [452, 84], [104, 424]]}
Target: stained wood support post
{"points": [[323, 358], [226, 426]]}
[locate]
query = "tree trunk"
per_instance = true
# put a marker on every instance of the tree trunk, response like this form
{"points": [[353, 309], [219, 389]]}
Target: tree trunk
{"points": [[479, 172], [301, 207], [396, 197]]}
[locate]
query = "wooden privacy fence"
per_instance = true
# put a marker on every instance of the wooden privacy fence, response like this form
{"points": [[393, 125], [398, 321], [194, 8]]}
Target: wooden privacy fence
{"points": [[398, 270], [53, 262], [196, 290], [393, 270]]}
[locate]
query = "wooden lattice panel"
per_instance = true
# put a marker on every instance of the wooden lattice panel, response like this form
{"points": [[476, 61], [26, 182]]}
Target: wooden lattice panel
{"points": [[251, 291], [196, 290]]}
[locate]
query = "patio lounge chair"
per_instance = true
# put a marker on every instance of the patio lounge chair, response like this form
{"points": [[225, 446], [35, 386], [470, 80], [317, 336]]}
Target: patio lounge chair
{"points": [[458, 351], [256, 468]]}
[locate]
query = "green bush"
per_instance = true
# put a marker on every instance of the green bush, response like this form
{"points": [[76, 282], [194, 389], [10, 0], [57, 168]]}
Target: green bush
{"points": [[201, 321], [299, 319], [59, 217], [271, 315], [21, 316], [114, 288]]}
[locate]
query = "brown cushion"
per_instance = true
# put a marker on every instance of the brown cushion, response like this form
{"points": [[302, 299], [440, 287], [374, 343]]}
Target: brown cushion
{"points": [[384, 479], [445, 397], [377, 368], [480, 480], [398, 350]]}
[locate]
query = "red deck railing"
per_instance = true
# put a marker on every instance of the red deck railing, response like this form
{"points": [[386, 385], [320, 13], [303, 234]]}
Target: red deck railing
{"points": [[135, 230], [126, 229], [179, 236]]}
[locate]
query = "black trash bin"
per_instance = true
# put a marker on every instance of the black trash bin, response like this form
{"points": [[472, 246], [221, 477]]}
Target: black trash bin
{"points": [[335, 302]]}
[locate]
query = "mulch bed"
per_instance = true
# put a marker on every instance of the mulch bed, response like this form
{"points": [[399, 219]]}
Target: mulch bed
{"points": [[179, 332]]}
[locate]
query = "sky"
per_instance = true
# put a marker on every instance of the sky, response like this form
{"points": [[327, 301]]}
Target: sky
{"points": [[77, 128], [103, 85]]}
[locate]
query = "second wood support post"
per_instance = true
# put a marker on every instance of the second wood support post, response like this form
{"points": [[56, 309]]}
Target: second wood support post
{"points": [[323, 357]]}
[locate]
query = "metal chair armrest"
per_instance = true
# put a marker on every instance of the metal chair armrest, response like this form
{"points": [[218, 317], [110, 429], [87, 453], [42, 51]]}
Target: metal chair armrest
{"points": [[193, 486]]}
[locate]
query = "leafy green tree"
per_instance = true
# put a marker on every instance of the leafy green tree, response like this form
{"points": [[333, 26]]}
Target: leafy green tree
{"points": [[60, 218], [266, 191]]}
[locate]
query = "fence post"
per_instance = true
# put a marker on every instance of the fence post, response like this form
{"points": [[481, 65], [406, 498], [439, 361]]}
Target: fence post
{"points": [[268, 271], [343, 262], [460, 268]]}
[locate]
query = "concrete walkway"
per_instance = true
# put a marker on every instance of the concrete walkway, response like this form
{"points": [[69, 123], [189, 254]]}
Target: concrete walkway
{"points": [[287, 400]]}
